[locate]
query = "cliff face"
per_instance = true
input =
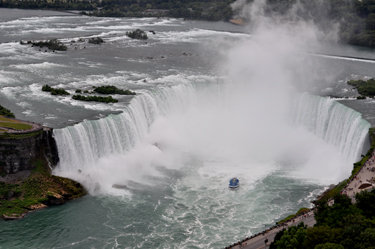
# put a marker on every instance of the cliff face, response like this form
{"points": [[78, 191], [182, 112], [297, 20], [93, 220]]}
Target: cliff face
{"points": [[20, 152], [50, 147]]}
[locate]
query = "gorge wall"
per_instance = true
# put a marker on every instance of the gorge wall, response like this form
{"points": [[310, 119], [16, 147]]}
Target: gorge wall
{"points": [[19, 152]]}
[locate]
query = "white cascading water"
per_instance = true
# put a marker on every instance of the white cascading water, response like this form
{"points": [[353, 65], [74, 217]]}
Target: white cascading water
{"points": [[333, 122], [82, 145]]}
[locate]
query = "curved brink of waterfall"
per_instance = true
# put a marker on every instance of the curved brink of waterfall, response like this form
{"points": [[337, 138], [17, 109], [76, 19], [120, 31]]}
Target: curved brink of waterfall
{"points": [[333, 122], [81, 145]]}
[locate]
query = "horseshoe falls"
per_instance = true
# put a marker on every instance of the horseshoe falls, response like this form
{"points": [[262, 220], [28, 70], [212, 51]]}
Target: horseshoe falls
{"points": [[169, 151], [81, 145], [216, 101], [335, 123], [84, 145]]}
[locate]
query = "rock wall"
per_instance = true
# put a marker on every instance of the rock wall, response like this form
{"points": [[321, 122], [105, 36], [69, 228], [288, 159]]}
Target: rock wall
{"points": [[21, 154]]}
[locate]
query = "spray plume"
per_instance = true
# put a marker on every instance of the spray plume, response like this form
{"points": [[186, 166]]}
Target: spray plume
{"points": [[245, 124]]}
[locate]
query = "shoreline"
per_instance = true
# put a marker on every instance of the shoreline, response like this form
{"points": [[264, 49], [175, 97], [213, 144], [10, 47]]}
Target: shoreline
{"points": [[35, 190], [27, 151], [353, 184]]}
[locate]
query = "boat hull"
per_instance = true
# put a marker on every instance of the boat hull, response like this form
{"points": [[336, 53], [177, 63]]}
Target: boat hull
{"points": [[234, 183], [234, 187]]}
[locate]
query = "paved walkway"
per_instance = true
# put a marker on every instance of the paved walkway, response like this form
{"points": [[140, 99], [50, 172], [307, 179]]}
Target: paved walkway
{"points": [[258, 242], [366, 174]]}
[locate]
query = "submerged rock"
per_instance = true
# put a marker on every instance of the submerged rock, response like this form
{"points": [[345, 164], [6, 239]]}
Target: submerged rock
{"points": [[119, 186], [13, 216], [54, 199]]}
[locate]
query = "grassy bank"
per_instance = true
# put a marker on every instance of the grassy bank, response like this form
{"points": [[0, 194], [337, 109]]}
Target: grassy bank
{"points": [[299, 212], [40, 189], [18, 136], [13, 124]]}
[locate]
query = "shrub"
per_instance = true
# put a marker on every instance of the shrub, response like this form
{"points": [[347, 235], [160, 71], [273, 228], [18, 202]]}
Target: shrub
{"points": [[365, 88], [54, 91], [6, 112], [108, 99], [46, 88], [59, 91], [112, 90]]}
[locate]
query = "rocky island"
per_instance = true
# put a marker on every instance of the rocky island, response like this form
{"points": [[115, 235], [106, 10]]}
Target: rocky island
{"points": [[366, 88]]}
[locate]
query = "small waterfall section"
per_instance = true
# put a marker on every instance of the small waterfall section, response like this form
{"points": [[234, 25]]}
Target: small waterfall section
{"points": [[81, 145], [333, 122]]}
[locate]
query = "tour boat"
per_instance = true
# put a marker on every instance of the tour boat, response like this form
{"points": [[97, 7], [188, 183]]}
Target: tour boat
{"points": [[234, 183]]}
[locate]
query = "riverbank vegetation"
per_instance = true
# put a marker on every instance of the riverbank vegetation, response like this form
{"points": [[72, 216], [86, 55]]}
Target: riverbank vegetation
{"points": [[299, 212], [211, 10], [112, 90], [356, 19], [108, 99], [54, 5], [101, 90], [334, 190], [40, 189], [343, 225], [364, 87], [54, 91], [6, 135]]}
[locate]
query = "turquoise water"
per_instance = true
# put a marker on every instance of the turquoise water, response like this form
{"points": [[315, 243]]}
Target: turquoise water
{"points": [[159, 217], [218, 105]]}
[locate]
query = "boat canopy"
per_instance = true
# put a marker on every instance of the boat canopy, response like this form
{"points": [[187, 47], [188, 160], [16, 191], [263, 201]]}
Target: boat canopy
{"points": [[234, 181]]}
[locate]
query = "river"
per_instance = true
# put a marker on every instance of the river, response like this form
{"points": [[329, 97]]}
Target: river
{"points": [[213, 101]]}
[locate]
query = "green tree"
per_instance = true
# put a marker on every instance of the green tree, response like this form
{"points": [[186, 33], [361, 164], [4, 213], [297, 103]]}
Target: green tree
{"points": [[329, 245], [334, 216], [366, 202], [293, 238], [278, 236], [6, 112], [322, 234], [366, 240]]}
